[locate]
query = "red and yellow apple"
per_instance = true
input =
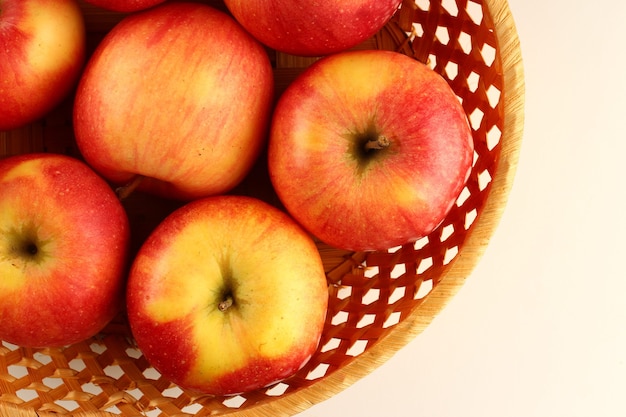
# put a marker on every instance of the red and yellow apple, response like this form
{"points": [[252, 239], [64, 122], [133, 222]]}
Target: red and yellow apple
{"points": [[312, 28], [42, 46], [178, 95], [227, 295], [125, 6], [369, 150], [63, 251]]}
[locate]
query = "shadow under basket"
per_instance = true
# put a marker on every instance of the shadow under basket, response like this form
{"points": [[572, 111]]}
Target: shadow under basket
{"points": [[378, 301]]}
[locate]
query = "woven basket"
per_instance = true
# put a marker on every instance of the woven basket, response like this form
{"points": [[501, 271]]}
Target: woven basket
{"points": [[379, 301]]}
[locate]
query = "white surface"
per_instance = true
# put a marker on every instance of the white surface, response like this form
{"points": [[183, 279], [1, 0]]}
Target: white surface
{"points": [[539, 329]]}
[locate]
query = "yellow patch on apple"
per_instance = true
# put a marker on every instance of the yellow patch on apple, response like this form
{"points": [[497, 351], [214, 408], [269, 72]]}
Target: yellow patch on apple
{"points": [[24, 170], [53, 43]]}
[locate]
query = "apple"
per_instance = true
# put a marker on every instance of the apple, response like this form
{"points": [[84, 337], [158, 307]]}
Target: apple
{"points": [[124, 6], [63, 251], [312, 28], [369, 149], [227, 295], [179, 97], [43, 53]]}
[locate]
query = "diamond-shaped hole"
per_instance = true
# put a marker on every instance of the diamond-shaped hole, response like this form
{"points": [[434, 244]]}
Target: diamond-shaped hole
{"points": [[475, 12], [397, 271], [446, 232], [133, 353], [442, 35], [493, 137], [366, 320], [465, 41], [484, 178], [489, 54], [9, 346], [418, 30], [69, 405], [234, 402], [135, 393], [332, 344], [476, 118], [397, 295], [452, 70], [192, 409], [451, 8], [372, 295], [114, 371], [77, 364], [371, 271], [423, 4], [91, 388], [450, 254], [17, 371], [318, 372], [420, 243], [277, 390], [493, 95], [339, 318], [357, 348], [394, 249], [344, 292], [42, 358], [469, 218], [472, 81], [26, 394], [97, 348], [172, 392], [113, 410], [392, 320], [424, 289], [463, 196], [151, 373], [424, 265], [51, 382]]}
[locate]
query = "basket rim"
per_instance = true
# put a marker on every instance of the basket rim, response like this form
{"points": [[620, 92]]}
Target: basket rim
{"points": [[513, 96], [476, 243]]}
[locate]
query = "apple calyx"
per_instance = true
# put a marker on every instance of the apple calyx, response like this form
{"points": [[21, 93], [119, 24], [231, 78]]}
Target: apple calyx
{"points": [[26, 245], [127, 189], [367, 142], [225, 304], [380, 142], [28, 249], [367, 147]]}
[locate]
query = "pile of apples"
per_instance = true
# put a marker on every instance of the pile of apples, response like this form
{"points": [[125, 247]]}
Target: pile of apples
{"points": [[365, 149]]}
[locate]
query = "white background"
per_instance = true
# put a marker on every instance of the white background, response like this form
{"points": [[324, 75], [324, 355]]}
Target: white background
{"points": [[539, 329]]}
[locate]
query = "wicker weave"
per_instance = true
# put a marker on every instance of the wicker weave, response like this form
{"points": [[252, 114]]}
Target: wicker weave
{"points": [[378, 301]]}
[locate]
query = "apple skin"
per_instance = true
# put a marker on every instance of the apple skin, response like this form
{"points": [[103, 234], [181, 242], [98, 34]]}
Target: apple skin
{"points": [[72, 285], [125, 6], [316, 28], [43, 53], [202, 253], [358, 200], [179, 95]]}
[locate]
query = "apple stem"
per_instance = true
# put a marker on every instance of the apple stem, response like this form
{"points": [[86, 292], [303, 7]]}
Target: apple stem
{"points": [[225, 305], [380, 142], [127, 189]]}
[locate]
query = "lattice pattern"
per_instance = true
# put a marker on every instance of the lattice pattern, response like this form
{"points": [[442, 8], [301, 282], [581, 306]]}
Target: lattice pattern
{"points": [[370, 293]]}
